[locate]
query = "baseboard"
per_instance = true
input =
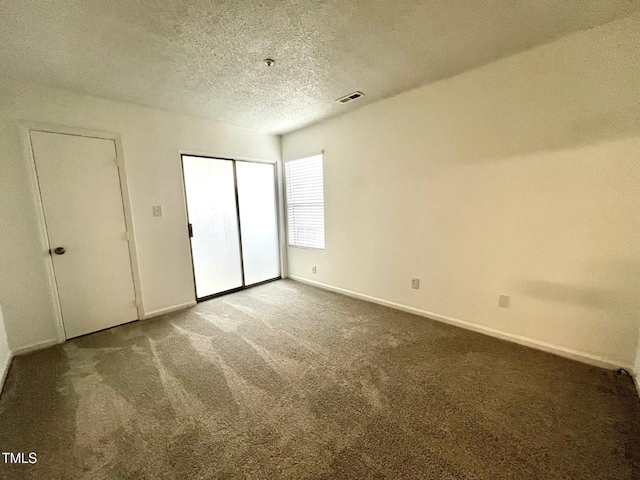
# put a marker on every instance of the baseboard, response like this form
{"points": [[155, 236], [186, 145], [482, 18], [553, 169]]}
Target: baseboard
{"points": [[164, 311], [528, 342], [34, 346], [4, 371], [48, 343]]}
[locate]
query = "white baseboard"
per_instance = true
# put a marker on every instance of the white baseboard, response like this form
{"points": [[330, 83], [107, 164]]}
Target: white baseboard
{"points": [[164, 311], [4, 370], [48, 343], [34, 346], [529, 342]]}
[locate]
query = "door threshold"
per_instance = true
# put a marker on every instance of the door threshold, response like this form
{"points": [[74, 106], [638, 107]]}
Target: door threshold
{"points": [[235, 290]]}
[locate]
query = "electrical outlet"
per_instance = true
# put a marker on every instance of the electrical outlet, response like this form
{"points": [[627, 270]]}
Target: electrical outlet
{"points": [[313, 269], [415, 283], [503, 301], [157, 211]]}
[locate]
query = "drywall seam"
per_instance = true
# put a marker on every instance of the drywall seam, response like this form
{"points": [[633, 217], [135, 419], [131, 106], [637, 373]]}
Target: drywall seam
{"points": [[528, 342], [35, 346], [164, 311], [4, 372]]}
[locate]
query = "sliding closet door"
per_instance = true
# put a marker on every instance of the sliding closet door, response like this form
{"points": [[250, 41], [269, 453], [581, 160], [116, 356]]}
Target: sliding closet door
{"points": [[212, 211], [258, 221]]}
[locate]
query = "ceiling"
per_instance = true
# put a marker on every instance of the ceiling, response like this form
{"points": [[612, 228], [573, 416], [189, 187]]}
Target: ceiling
{"points": [[205, 58]]}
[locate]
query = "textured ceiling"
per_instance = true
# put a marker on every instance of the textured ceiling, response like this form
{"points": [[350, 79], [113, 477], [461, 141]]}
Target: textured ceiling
{"points": [[205, 57]]}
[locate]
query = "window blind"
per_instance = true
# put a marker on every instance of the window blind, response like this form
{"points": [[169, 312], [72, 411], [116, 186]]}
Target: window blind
{"points": [[305, 202]]}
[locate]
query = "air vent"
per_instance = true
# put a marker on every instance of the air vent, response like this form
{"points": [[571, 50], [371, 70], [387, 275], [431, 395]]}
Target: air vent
{"points": [[350, 98]]}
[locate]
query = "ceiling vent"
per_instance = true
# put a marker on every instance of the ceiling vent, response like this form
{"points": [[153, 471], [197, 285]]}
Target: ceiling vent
{"points": [[350, 98]]}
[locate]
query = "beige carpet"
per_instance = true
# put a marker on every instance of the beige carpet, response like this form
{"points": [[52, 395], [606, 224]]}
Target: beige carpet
{"points": [[287, 381]]}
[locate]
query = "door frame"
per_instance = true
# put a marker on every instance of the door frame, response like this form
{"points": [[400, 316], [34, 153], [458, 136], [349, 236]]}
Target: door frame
{"points": [[279, 225], [25, 129]]}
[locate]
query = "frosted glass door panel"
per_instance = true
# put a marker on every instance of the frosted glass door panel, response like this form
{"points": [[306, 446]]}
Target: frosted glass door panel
{"points": [[258, 221], [211, 204]]}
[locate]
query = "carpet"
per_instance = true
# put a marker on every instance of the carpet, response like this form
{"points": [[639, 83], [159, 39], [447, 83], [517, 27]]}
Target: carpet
{"points": [[288, 381]]}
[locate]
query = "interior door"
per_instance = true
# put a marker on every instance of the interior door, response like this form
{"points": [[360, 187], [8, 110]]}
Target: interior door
{"points": [[84, 214], [258, 221], [212, 211]]}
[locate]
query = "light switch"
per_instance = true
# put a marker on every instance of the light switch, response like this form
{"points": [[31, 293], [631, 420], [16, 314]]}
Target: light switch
{"points": [[503, 301], [157, 210]]}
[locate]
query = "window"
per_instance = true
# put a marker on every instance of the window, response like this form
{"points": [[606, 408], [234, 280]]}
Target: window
{"points": [[305, 202]]}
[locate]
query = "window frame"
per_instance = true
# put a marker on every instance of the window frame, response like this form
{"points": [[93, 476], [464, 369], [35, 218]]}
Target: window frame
{"points": [[287, 204]]}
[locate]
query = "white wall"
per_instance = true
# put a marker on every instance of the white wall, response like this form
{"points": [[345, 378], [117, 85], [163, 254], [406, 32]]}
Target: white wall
{"points": [[5, 353], [636, 366], [151, 141], [521, 177]]}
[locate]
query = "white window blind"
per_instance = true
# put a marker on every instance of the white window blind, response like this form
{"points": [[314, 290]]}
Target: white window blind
{"points": [[305, 202]]}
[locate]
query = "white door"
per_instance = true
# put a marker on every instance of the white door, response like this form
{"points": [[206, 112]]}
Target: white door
{"points": [[212, 210], [84, 214], [258, 221]]}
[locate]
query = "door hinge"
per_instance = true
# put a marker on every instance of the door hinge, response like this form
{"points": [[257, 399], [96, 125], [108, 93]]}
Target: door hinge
{"points": [[190, 231], [128, 235]]}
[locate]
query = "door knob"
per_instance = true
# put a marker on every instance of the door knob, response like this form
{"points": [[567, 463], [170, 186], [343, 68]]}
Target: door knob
{"points": [[58, 250]]}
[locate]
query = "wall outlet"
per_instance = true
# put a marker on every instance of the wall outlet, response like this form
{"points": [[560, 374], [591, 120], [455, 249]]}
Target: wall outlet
{"points": [[157, 210], [415, 283], [503, 301], [313, 269]]}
